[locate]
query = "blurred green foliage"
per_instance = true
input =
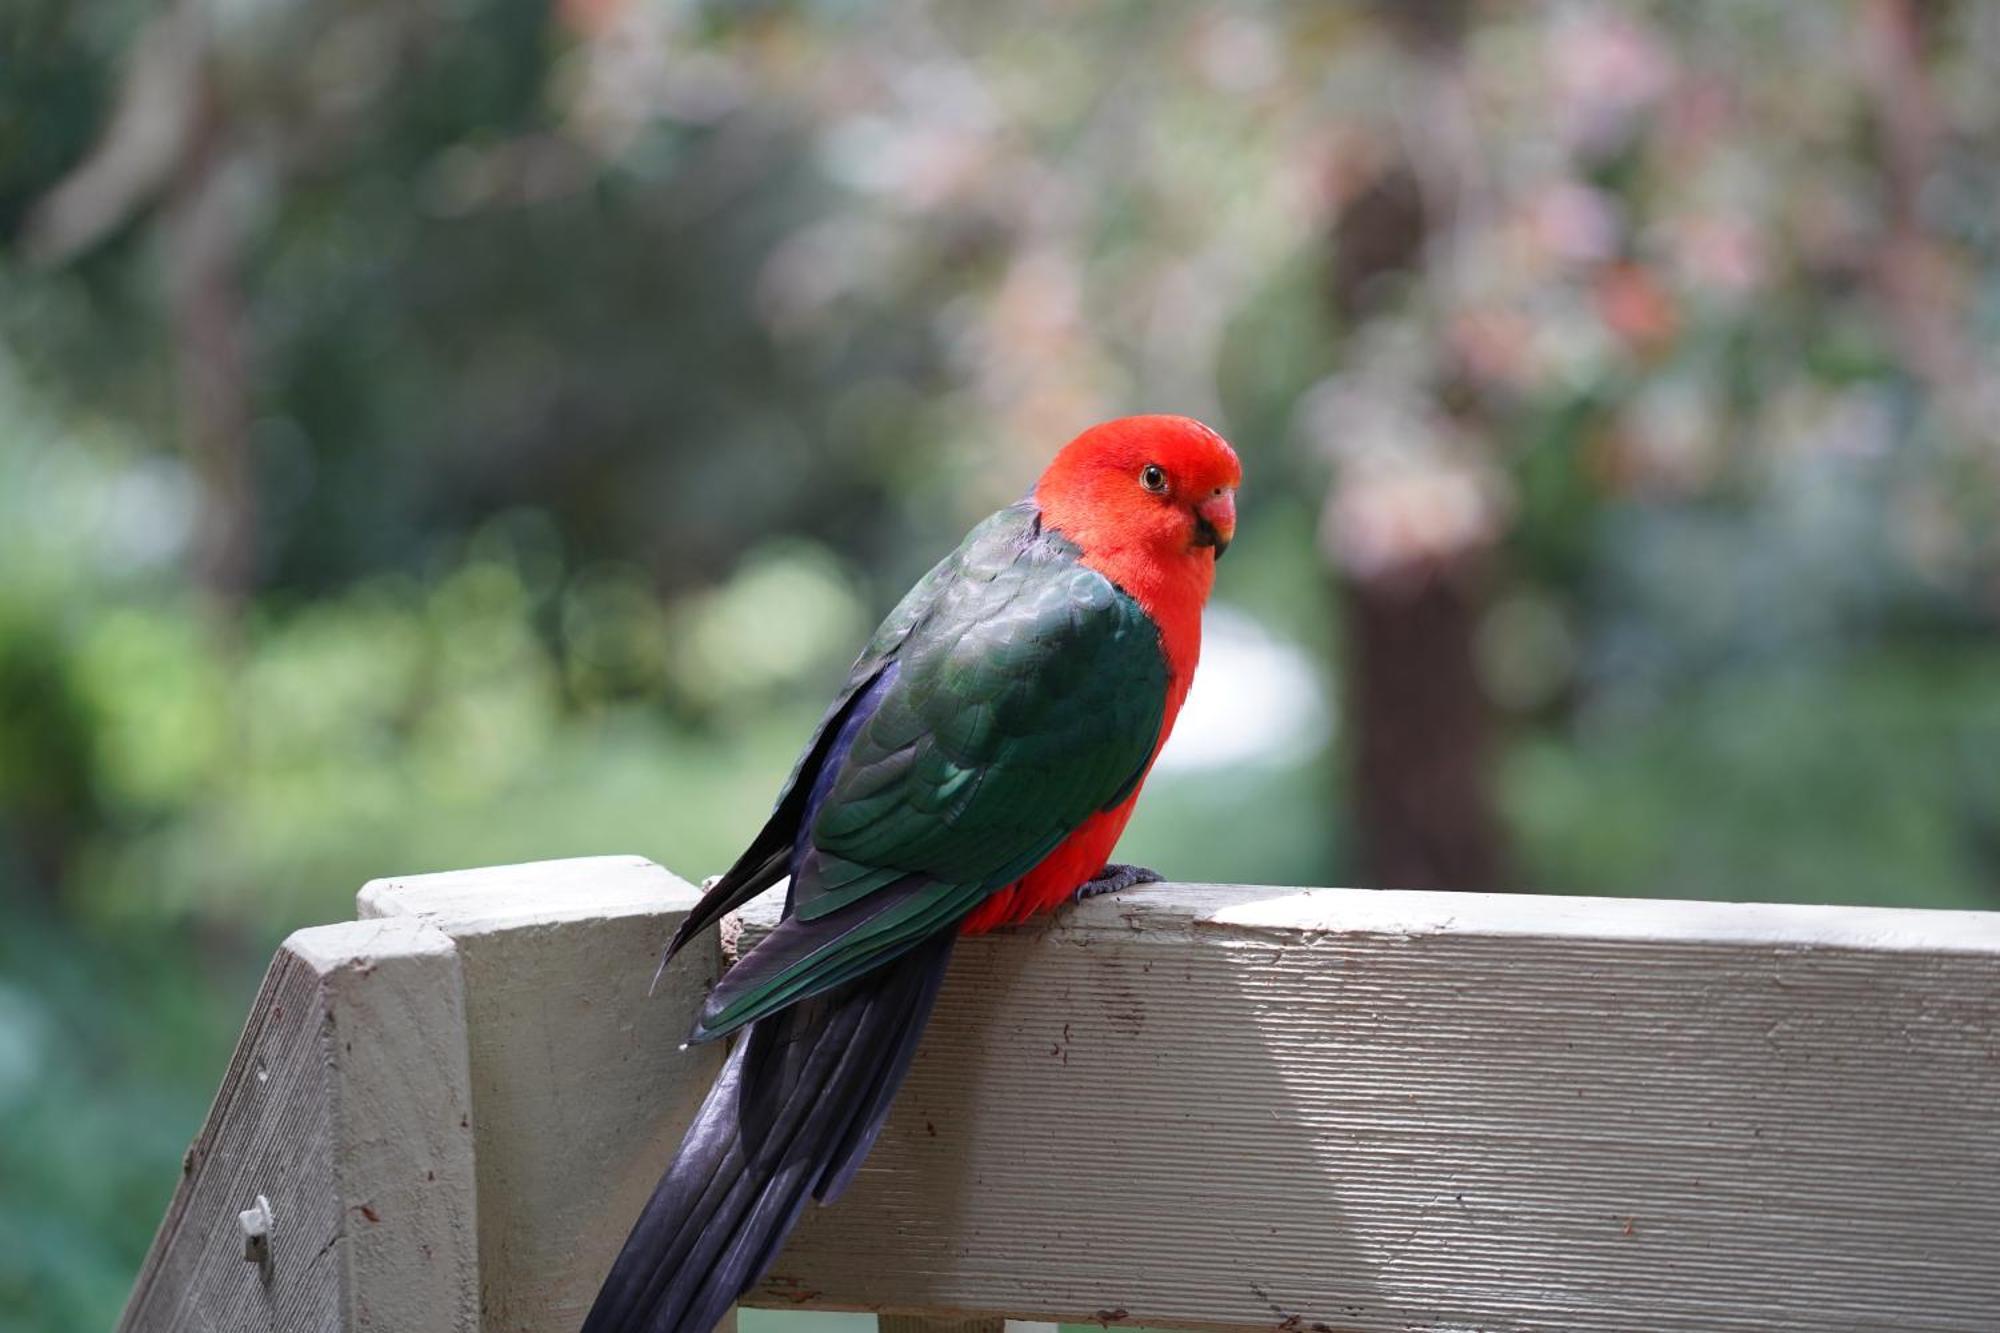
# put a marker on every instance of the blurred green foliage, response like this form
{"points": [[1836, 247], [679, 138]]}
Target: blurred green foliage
{"points": [[466, 431]]}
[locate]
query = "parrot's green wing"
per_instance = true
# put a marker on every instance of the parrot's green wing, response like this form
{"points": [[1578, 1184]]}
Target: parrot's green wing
{"points": [[768, 857], [1014, 693]]}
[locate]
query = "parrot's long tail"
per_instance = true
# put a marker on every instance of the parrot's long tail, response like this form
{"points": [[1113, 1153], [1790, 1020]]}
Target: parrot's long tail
{"points": [[798, 1104]]}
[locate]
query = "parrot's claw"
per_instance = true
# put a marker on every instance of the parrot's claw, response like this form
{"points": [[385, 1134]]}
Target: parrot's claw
{"points": [[1115, 878]]}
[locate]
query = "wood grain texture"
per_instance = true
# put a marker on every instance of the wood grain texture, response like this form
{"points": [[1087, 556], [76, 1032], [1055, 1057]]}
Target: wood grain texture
{"points": [[401, 1098], [580, 1091], [1330, 1109], [343, 1105]]}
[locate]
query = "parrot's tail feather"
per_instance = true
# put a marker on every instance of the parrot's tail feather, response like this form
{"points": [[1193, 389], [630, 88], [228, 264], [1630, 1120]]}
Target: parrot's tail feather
{"points": [[800, 1101]]}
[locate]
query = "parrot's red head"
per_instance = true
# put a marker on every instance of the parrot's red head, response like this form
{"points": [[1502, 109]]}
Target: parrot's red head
{"points": [[1157, 488], [1151, 502]]}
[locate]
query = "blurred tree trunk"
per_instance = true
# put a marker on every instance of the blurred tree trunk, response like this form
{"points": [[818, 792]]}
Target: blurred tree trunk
{"points": [[1423, 733], [168, 145], [1411, 597], [204, 246]]}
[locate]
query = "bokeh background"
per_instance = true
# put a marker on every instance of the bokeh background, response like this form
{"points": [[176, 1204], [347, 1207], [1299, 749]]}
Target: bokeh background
{"points": [[443, 432]]}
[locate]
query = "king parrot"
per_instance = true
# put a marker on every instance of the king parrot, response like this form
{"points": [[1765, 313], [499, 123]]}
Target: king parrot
{"points": [[976, 768]]}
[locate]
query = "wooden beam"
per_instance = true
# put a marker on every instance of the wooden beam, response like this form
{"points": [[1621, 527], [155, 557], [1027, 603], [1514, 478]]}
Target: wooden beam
{"points": [[1185, 1106], [1334, 1109], [344, 1110]]}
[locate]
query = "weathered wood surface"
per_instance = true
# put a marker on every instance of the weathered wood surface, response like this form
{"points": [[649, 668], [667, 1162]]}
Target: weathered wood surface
{"points": [[580, 1090], [1261, 1108], [345, 1107], [1351, 1110]]}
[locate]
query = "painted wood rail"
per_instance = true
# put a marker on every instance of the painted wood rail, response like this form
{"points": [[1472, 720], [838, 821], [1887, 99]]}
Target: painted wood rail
{"points": [[1194, 1106]]}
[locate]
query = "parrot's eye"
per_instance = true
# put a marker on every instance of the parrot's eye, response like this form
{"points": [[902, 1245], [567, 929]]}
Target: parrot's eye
{"points": [[1154, 478]]}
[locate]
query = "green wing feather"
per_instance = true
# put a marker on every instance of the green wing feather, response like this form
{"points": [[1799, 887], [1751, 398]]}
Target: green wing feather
{"points": [[1028, 693]]}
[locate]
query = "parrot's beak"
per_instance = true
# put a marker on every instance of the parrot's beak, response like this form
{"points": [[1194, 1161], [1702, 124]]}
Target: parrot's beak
{"points": [[1215, 521]]}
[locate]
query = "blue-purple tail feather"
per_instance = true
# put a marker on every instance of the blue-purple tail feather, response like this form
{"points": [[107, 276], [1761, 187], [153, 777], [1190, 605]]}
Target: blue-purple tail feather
{"points": [[800, 1100]]}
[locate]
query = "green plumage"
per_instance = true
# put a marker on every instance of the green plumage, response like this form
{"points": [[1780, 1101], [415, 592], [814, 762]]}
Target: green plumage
{"points": [[1027, 694]]}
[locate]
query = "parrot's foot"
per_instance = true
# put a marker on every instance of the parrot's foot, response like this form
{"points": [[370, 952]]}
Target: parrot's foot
{"points": [[1115, 878]]}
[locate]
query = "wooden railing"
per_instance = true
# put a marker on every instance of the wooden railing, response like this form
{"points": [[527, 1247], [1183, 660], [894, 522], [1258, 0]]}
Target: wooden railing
{"points": [[1187, 1105]]}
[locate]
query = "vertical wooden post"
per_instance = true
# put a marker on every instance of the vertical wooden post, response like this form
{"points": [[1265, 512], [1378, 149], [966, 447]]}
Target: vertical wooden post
{"points": [[443, 1117], [342, 1129], [580, 1088]]}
